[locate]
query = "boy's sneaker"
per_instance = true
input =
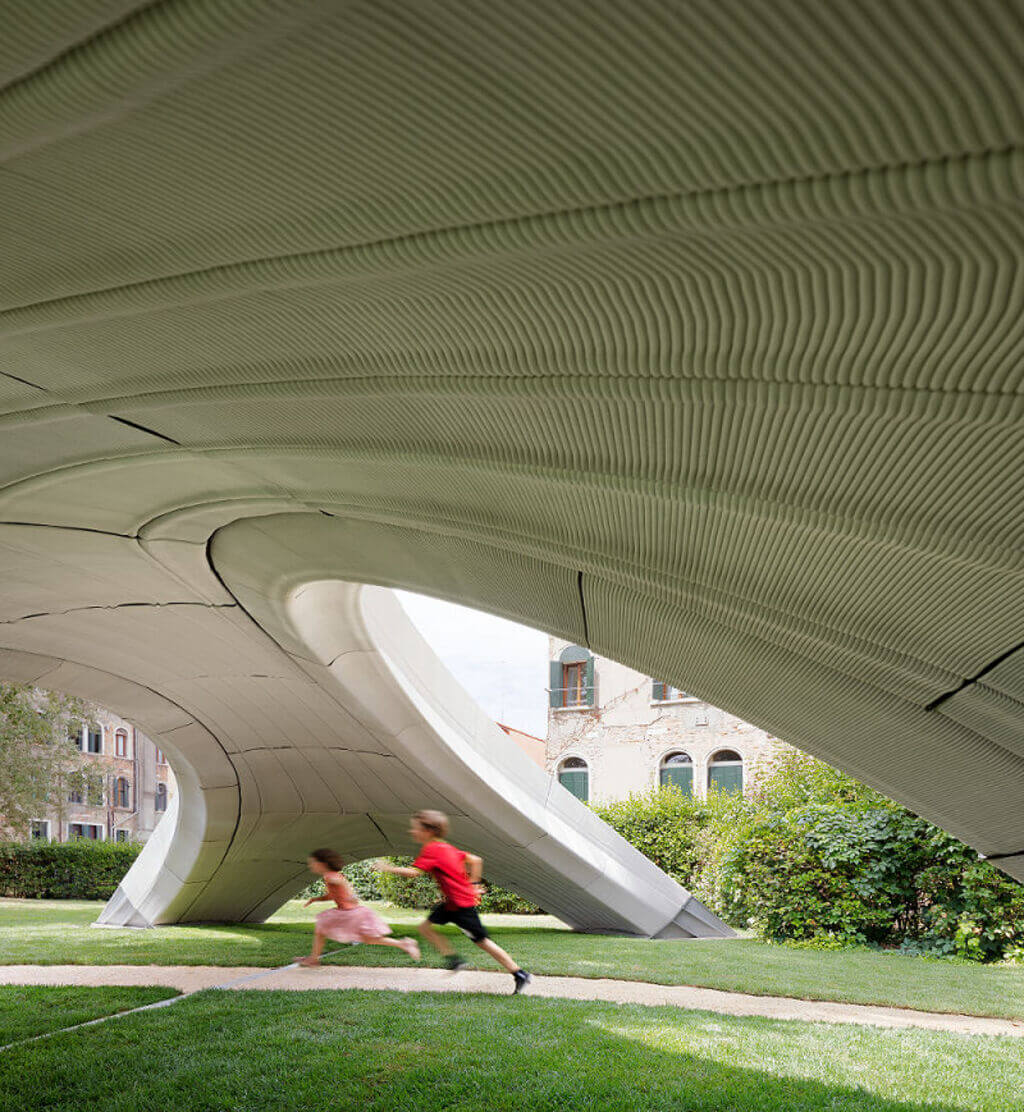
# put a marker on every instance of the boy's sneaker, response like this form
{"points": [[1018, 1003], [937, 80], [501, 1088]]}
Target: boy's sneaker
{"points": [[522, 979], [454, 964]]}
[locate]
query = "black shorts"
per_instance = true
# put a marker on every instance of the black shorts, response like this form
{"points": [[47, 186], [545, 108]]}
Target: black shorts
{"points": [[465, 918]]}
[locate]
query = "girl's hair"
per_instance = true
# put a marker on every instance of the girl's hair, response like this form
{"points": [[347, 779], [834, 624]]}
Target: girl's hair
{"points": [[329, 858], [434, 821]]}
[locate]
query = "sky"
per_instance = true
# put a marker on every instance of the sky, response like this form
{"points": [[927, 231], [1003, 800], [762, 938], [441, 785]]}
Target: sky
{"points": [[504, 666]]}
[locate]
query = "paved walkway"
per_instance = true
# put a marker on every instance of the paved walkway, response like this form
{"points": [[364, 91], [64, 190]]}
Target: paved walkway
{"points": [[192, 978]]}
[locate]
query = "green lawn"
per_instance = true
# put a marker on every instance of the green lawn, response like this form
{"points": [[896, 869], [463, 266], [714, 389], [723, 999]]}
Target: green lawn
{"points": [[49, 932], [33, 1010], [394, 1051]]}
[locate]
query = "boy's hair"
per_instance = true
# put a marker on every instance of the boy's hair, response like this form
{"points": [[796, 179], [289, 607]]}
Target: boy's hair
{"points": [[434, 821], [329, 858]]}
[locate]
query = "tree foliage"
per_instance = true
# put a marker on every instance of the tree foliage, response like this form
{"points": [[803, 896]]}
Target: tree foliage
{"points": [[40, 763]]}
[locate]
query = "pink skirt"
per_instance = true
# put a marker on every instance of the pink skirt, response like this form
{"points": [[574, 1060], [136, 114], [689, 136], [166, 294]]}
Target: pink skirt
{"points": [[351, 924]]}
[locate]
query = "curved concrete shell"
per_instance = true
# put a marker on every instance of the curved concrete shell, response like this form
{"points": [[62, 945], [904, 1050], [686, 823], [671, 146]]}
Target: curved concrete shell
{"points": [[691, 332]]}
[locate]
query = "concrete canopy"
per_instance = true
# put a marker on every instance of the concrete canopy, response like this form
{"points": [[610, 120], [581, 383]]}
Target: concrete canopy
{"points": [[688, 332]]}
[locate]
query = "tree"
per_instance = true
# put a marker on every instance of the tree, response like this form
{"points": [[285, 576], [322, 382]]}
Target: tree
{"points": [[40, 760]]}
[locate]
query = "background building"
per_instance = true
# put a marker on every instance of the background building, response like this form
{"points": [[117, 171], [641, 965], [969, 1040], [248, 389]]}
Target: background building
{"points": [[613, 731], [136, 786]]}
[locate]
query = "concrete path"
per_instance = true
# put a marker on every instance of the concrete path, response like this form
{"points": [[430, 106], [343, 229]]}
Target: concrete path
{"points": [[192, 978]]}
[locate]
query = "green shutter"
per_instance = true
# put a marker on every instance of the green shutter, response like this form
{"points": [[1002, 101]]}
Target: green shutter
{"points": [[679, 775], [657, 691], [577, 782], [588, 680], [726, 778], [556, 693]]}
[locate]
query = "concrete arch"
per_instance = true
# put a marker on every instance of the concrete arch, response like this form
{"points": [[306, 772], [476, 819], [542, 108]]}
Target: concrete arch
{"points": [[728, 390]]}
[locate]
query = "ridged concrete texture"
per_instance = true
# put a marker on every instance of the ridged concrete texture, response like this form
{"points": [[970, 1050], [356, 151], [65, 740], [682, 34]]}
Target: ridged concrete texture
{"points": [[692, 332]]}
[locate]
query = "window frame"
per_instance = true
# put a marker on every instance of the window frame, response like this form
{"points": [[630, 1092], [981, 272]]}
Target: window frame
{"points": [[563, 770], [690, 764], [160, 794], [122, 742], [714, 763]]}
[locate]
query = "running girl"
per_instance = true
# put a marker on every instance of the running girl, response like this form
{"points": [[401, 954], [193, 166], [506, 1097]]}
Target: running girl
{"points": [[457, 874], [349, 920]]}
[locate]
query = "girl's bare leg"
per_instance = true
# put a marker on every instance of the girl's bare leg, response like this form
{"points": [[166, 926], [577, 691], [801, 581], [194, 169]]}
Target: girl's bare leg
{"points": [[318, 949], [407, 945]]}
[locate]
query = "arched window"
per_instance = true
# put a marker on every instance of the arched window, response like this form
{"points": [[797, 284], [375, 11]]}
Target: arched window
{"points": [[121, 743], [574, 776], [160, 758], [122, 792], [677, 770], [725, 771], [161, 797], [572, 678]]}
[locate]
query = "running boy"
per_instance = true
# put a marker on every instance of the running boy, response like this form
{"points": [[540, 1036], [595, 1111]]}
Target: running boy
{"points": [[457, 874]]}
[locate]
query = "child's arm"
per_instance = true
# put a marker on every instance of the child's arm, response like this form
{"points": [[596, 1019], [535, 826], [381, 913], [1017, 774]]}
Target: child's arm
{"points": [[315, 899], [398, 870], [474, 867]]}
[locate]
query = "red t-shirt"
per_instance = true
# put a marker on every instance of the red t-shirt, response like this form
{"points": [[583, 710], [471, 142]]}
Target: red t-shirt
{"points": [[447, 865]]}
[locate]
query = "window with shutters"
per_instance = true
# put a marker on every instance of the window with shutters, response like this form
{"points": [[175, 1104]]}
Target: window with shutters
{"points": [[572, 679], [725, 771], [121, 743], [677, 770], [122, 792], [40, 830], [94, 739], [121, 836], [574, 776], [88, 830], [160, 758], [160, 803]]}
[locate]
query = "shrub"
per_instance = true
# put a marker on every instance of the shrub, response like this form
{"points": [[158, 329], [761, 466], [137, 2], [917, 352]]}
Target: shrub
{"points": [[80, 870], [663, 824], [813, 855], [421, 892]]}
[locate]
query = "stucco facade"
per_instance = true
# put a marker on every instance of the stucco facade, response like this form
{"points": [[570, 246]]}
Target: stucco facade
{"points": [[625, 732], [137, 786]]}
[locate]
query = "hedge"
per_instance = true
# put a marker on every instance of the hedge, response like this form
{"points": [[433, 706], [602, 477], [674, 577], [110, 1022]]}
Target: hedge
{"points": [[79, 870]]}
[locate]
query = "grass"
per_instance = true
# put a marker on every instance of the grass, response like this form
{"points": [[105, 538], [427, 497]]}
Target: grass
{"points": [[396, 1052], [33, 1010], [56, 932]]}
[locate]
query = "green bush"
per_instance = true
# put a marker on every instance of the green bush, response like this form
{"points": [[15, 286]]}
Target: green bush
{"points": [[421, 892], [79, 870], [664, 824], [813, 857], [360, 875], [364, 880]]}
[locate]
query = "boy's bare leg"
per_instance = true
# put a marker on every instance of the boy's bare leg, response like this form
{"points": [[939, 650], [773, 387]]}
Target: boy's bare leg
{"points": [[438, 941], [496, 952]]}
